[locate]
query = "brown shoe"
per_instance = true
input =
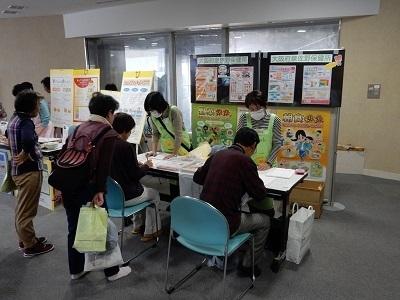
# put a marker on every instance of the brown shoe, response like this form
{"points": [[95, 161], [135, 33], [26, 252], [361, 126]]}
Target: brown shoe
{"points": [[38, 249], [150, 237], [40, 240]]}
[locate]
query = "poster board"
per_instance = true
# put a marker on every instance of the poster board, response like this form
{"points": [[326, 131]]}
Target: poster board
{"points": [[306, 136], [61, 85], [306, 78], [3, 165], [215, 124], [85, 83], [71, 91], [134, 89], [223, 78]]}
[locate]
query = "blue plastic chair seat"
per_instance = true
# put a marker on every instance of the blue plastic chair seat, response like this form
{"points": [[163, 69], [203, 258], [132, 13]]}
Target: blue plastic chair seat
{"points": [[129, 211], [215, 250]]}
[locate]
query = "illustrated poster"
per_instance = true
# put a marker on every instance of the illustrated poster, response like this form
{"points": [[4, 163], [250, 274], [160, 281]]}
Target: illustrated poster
{"points": [[281, 84], [47, 192], [305, 141], [241, 83], [86, 82], [215, 124], [316, 85], [206, 84], [61, 83], [134, 89]]}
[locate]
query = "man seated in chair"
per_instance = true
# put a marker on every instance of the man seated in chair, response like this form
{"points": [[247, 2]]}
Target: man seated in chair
{"points": [[226, 177], [127, 171]]}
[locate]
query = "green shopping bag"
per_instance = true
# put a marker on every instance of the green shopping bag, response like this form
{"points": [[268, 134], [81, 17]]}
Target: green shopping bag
{"points": [[91, 232]]}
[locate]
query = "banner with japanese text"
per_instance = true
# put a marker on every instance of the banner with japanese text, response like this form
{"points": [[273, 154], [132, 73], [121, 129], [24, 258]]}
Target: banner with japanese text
{"points": [[305, 140], [86, 82], [215, 124], [134, 89]]}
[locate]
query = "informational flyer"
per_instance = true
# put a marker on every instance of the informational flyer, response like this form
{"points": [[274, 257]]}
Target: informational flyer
{"points": [[305, 141], [47, 196], [3, 165], [86, 82], [281, 84], [215, 124], [61, 84], [316, 85], [134, 89], [206, 84], [241, 83]]}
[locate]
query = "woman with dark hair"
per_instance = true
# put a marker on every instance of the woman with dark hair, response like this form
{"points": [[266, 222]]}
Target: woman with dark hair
{"points": [[167, 126], [43, 126], [268, 127], [128, 172]]}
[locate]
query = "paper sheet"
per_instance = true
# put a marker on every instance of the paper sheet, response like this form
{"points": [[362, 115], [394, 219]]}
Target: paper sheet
{"points": [[279, 172]]}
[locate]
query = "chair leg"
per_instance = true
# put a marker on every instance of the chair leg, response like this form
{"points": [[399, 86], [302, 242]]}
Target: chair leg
{"points": [[253, 278], [122, 233], [171, 232], [171, 289], [154, 245], [224, 278]]}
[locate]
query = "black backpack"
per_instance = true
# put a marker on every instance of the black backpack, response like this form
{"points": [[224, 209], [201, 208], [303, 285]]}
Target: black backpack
{"points": [[74, 166]]}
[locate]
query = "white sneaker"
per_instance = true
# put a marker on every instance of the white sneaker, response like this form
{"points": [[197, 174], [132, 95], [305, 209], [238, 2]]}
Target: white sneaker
{"points": [[79, 275], [123, 271]]}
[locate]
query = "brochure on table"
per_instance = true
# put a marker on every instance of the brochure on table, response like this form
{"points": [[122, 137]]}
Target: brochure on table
{"points": [[134, 89]]}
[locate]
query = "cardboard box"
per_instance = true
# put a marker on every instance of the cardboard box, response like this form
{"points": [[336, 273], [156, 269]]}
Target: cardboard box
{"points": [[309, 193], [47, 195]]}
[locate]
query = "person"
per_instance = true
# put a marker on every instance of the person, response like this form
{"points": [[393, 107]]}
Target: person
{"points": [[111, 87], [167, 127], [26, 171], [127, 171], [46, 84], [268, 127], [226, 177], [101, 109], [43, 127]]}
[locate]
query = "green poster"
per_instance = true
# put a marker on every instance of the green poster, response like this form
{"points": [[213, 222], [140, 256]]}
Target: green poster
{"points": [[215, 124]]}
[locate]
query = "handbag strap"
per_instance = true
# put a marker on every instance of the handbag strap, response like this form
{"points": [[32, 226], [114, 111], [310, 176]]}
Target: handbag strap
{"points": [[172, 135]]}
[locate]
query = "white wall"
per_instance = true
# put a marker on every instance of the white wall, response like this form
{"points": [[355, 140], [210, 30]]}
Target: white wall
{"points": [[29, 48], [179, 14]]}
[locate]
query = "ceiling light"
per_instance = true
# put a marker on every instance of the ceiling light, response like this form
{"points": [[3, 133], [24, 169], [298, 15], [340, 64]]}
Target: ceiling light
{"points": [[237, 37], [9, 12], [141, 39], [154, 44], [126, 46], [301, 30], [111, 55], [12, 6]]}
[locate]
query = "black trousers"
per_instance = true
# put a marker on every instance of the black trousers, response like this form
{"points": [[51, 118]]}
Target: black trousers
{"points": [[72, 204]]}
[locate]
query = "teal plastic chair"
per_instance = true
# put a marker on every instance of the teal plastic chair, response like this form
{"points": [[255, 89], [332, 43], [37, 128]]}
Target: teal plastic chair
{"points": [[115, 200], [203, 229]]}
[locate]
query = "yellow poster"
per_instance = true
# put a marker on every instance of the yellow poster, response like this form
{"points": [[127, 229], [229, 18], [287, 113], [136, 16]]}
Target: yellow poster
{"points": [[47, 196], [305, 141], [86, 82]]}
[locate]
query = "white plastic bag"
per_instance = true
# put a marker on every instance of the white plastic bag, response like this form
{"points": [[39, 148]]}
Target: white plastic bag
{"points": [[109, 258], [299, 235], [101, 261]]}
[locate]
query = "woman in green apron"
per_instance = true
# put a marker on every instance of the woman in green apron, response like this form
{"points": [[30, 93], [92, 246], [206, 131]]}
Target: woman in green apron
{"points": [[167, 126], [268, 127]]}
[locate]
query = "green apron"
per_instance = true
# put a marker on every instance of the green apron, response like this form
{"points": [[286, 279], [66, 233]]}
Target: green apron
{"points": [[166, 140], [260, 156]]}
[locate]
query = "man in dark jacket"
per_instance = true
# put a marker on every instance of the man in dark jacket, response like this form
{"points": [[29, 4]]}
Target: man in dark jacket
{"points": [[226, 177]]}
